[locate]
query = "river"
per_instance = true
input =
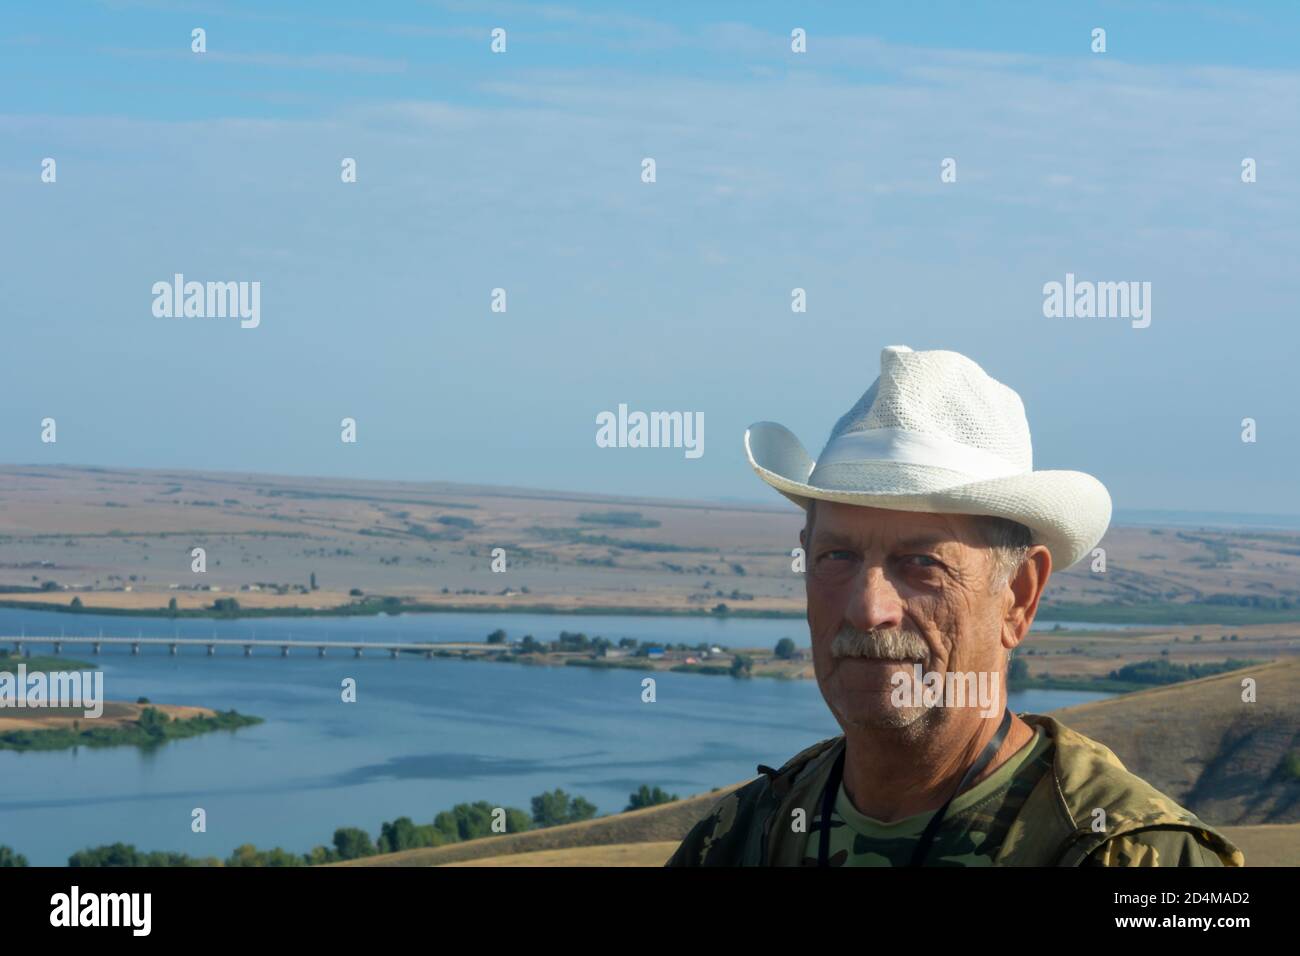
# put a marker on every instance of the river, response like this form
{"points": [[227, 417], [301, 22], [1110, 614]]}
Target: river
{"points": [[422, 735]]}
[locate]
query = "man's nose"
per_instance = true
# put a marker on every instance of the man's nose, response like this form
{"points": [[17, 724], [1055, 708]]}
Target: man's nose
{"points": [[874, 602]]}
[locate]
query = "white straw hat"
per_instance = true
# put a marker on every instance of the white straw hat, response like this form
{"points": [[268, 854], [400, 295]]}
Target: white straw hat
{"points": [[935, 433]]}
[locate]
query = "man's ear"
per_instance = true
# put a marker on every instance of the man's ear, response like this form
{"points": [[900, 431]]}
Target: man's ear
{"points": [[1025, 588]]}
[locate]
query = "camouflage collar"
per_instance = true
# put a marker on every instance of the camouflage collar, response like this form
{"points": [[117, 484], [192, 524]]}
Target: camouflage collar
{"points": [[1058, 824], [1090, 798]]}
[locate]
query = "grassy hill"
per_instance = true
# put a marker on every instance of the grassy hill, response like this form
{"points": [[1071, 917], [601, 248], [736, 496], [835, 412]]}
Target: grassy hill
{"points": [[619, 854], [1270, 845], [1225, 760], [666, 823]]}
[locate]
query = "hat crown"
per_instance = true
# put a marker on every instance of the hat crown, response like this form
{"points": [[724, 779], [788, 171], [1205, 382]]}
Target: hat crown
{"points": [[945, 396]]}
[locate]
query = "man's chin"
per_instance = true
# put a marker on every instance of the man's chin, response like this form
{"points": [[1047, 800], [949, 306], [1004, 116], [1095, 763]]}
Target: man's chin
{"points": [[883, 718], [863, 692]]}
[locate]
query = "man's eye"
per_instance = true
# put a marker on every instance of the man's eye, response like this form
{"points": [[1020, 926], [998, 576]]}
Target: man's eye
{"points": [[921, 561], [838, 556]]}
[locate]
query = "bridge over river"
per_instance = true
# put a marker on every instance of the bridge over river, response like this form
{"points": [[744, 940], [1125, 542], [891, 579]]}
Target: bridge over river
{"points": [[173, 644]]}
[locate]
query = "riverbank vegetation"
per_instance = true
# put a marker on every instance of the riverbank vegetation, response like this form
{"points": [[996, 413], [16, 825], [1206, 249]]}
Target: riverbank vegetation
{"points": [[1141, 675], [151, 729], [464, 821]]}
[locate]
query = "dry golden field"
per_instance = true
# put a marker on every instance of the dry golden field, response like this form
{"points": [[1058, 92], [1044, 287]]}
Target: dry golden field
{"points": [[112, 529]]}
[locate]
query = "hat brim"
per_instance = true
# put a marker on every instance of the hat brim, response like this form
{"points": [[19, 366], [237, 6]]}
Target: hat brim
{"points": [[1067, 511]]}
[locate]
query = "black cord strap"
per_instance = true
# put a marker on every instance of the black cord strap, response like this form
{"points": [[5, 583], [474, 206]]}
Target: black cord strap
{"points": [[936, 821]]}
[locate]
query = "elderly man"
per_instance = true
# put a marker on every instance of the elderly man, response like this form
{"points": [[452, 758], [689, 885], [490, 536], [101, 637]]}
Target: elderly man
{"points": [[929, 539]]}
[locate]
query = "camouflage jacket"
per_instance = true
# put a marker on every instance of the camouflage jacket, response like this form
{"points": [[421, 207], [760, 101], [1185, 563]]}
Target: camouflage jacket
{"points": [[1053, 827]]}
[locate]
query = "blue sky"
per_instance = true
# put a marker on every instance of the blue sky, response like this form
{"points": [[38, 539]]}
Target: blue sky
{"points": [[522, 171]]}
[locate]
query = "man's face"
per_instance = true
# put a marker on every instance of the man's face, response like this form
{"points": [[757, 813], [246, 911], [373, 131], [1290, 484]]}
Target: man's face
{"points": [[887, 589]]}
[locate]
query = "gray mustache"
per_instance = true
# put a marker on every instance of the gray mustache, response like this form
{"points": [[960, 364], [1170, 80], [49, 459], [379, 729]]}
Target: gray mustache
{"points": [[894, 644]]}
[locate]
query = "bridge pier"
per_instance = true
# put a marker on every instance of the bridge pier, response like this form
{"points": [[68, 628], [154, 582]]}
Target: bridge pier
{"points": [[212, 650], [394, 650], [322, 651], [358, 650], [96, 646], [428, 655], [173, 649], [18, 648], [248, 650], [284, 650], [58, 647], [135, 649]]}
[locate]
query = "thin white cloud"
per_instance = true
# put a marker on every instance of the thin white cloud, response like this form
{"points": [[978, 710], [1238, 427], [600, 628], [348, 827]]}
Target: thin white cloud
{"points": [[333, 62]]}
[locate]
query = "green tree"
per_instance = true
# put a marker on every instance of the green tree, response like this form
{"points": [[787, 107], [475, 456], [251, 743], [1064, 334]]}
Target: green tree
{"points": [[353, 843], [646, 797], [497, 637], [171, 605], [249, 855], [573, 642], [76, 604], [469, 821], [115, 854], [784, 649], [556, 807], [313, 582], [320, 855], [9, 858], [153, 722], [403, 834], [517, 821], [741, 666], [398, 835]]}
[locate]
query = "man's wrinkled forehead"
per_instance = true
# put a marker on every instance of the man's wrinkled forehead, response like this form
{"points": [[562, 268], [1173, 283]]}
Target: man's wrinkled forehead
{"points": [[842, 524]]}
